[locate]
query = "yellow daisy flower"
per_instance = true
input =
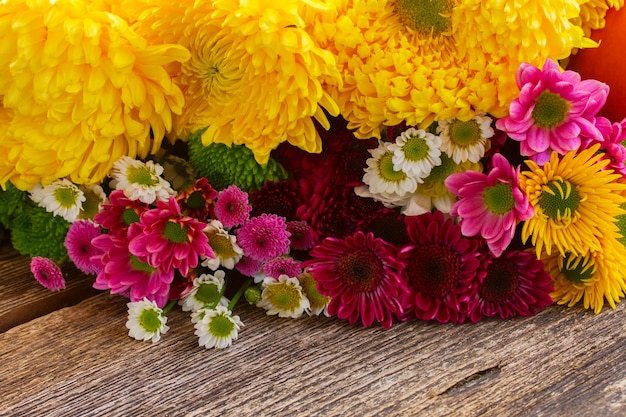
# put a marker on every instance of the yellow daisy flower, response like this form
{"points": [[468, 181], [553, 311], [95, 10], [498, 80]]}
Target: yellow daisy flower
{"points": [[575, 201], [255, 75], [427, 60], [83, 90], [593, 277]]}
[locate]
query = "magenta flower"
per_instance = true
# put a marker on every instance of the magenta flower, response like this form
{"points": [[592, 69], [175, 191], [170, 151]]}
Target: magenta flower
{"points": [[47, 273], [363, 276], [123, 273], [554, 109], [516, 284], [231, 207], [282, 265], [79, 247], [301, 235], [119, 213], [490, 205], [165, 238], [248, 266], [613, 134], [264, 237]]}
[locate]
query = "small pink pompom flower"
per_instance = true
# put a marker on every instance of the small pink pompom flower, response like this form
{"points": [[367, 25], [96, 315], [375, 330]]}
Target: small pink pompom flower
{"points": [[232, 207], [264, 237], [79, 247], [47, 273]]}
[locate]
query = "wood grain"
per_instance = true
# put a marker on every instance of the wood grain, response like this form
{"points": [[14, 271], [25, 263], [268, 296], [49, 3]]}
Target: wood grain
{"points": [[80, 361]]}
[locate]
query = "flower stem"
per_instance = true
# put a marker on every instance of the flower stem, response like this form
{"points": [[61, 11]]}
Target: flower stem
{"points": [[169, 306], [239, 293]]}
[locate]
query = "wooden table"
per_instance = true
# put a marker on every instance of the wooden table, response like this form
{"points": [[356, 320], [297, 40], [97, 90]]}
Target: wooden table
{"points": [[63, 357]]}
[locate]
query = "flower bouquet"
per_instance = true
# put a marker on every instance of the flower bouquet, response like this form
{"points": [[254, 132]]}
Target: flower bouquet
{"points": [[375, 160]]}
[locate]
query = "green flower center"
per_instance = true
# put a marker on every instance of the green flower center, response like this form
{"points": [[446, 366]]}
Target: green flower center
{"points": [[141, 175], [427, 17], [501, 281], [130, 216], [386, 171], [499, 198], [222, 246], [175, 233], [284, 296], [309, 286], [66, 196], [415, 149], [221, 326], [559, 199], [207, 293], [433, 270], [137, 265], [464, 134], [620, 221], [575, 269], [361, 270], [550, 110], [91, 205], [196, 200], [149, 320]]}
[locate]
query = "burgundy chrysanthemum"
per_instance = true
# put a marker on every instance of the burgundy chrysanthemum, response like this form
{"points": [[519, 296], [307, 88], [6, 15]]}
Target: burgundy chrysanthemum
{"points": [[123, 273], [167, 239], [47, 273], [119, 213], [443, 268], [80, 250], [281, 198], [301, 236], [231, 207], [264, 237], [198, 200], [363, 276], [516, 284], [388, 225], [282, 265]]}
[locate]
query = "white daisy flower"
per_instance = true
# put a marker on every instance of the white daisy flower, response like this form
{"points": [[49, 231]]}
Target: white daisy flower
{"points": [[283, 296], [216, 328], [389, 200], [318, 302], [146, 320], [62, 198], [382, 177], [140, 180], [225, 248], [465, 140], [416, 152], [206, 291]]}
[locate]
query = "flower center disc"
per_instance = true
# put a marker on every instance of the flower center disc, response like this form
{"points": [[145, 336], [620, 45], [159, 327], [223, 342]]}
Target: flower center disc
{"points": [[433, 270], [500, 283], [550, 110], [427, 17], [465, 134], [362, 270], [559, 200], [575, 269], [499, 198], [416, 149], [386, 171]]}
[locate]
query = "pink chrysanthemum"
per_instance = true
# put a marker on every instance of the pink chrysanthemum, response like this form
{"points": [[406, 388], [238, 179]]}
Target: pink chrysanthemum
{"points": [[613, 135], [119, 213], [231, 207], [123, 273], [554, 109], [198, 200], [264, 237], [167, 239], [363, 276], [282, 265], [79, 247], [47, 273], [248, 266], [490, 205], [516, 284], [443, 268], [300, 235]]}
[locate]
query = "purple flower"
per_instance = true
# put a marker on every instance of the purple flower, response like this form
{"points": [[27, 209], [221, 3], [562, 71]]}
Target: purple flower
{"points": [[264, 237], [231, 207], [554, 109], [282, 265], [47, 273], [79, 247], [490, 205]]}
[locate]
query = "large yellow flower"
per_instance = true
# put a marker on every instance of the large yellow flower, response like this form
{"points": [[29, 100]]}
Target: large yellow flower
{"points": [[82, 89], [593, 12], [593, 277], [575, 201], [426, 60], [255, 75]]}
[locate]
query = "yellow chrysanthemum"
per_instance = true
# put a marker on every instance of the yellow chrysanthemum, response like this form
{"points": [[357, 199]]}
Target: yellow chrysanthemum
{"points": [[83, 89], [255, 75], [593, 277], [593, 12], [575, 201], [426, 60]]}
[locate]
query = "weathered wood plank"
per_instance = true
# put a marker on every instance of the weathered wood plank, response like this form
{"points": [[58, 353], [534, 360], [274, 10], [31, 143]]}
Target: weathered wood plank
{"points": [[79, 361], [23, 299]]}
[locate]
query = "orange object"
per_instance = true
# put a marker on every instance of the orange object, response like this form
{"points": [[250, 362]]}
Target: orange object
{"points": [[607, 63]]}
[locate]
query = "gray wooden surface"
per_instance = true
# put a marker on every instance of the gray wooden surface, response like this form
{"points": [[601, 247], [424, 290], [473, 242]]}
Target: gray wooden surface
{"points": [[78, 360]]}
